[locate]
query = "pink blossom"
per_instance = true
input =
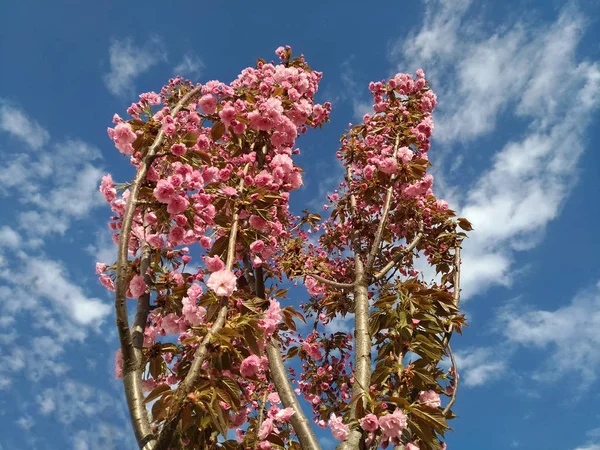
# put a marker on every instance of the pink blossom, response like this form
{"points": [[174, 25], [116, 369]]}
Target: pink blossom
{"points": [[194, 314], [194, 291], [388, 165], [208, 104], [205, 242], [258, 222], [222, 282], [170, 323], [150, 218], [203, 143], [100, 268], [411, 446], [177, 204], [339, 430], [405, 154], [229, 191], [118, 364], [280, 51], [239, 128], [123, 136], [107, 188], [313, 287], [152, 98], [265, 429], [178, 149], [239, 435], [264, 445], [155, 240], [137, 286], [250, 366], [214, 264], [273, 397], [176, 235], [257, 246], [312, 350], [227, 114], [107, 282], [169, 128], [393, 424], [369, 422], [271, 319], [181, 220], [284, 415], [163, 191], [430, 398]]}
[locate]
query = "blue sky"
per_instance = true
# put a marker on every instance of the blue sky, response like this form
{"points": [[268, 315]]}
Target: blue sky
{"points": [[514, 150]]}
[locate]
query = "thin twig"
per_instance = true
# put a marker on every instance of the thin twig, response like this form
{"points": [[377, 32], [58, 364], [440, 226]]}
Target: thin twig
{"points": [[456, 297], [335, 284], [455, 382], [398, 257], [384, 215], [261, 415]]}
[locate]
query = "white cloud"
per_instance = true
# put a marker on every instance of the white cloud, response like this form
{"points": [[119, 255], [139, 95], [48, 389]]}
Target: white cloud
{"points": [[570, 333], [49, 281], [128, 61], [9, 237], [61, 185], [589, 447], [528, 71], [190, 66], [26, 423], [437, 40], [93, 419], [481, 365], [104, 250], [16, 123], [72, 400], [42, 286]]}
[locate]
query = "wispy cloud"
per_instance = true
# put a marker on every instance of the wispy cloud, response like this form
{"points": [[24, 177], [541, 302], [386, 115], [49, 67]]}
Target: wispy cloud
{"points": [[128, 61], [190, 66], [16, 123], [569, 333], [530, 73], [91, 411], [589, 447], [360, 107], [54, 187], [481, 365]]}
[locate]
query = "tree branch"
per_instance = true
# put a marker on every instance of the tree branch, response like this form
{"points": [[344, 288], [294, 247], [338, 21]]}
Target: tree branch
{"points": [[300, 424], [143, 307], [456, 283], [132, 381], [455, 369], [398, 257], [362, 355], [335, 284], [187, 384]]}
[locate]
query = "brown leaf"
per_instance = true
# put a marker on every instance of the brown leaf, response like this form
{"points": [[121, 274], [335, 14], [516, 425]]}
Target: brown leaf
{"points": [[217, 131]]}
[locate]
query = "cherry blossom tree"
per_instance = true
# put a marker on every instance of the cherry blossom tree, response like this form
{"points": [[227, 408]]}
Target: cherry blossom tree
{"points": [[207, 244]]}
